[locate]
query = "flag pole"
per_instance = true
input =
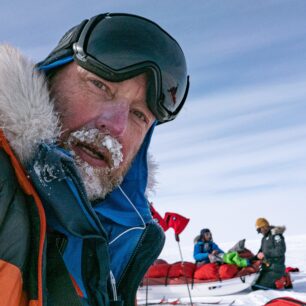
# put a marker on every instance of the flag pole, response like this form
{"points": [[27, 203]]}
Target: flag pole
{"points": [[177, 238], [147, 290]]}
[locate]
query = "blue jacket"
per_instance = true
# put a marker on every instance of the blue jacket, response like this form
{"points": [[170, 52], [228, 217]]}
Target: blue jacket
{"points": [[118, 233], [203, 249], [106, 247]]}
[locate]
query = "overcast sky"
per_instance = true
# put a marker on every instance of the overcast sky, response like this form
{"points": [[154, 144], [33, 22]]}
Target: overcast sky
{"points": [[237, 151]]}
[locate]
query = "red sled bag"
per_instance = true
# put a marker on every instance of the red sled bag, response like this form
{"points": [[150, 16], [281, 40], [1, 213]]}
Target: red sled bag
{"points": [[246, 271], [159, 270], [246, 253], [284, 282], [290, 269], [207, 271], [280, 283], [285, 301], [227, 271], [177, 269]]}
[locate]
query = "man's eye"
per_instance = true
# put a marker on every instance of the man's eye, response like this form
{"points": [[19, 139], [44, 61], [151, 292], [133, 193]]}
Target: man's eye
{"points": [[99, 84], [139, 115]]}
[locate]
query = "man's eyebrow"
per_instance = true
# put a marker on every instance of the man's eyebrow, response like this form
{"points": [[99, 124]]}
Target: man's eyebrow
{"points": [[83, 72]]}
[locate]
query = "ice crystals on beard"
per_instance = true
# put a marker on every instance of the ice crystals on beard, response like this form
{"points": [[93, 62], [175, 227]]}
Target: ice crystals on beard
{"points": [[91, 181], [114, 146], [85, 135], [109, 142]]}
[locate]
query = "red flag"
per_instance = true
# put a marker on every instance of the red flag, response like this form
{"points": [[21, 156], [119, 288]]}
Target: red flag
{"points": [[159, 218], [176, 221]]}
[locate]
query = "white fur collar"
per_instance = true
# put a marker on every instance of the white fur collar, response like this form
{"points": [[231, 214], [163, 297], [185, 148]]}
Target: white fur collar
{"points": [[26, 112], [276, 230]]}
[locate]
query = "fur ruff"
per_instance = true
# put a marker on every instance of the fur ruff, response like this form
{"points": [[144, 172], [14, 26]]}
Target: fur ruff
{"points": [[196, 239], [27, 115], [152, 172], [277, 230]]}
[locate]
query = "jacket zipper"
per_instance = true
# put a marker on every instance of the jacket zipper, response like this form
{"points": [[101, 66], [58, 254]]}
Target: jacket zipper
{"points": [[131, 258], [113, 284]]}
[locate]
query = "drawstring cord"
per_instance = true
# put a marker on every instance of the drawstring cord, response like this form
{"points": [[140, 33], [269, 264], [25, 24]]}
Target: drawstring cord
{"points": [[133, 228], [112, 278]]}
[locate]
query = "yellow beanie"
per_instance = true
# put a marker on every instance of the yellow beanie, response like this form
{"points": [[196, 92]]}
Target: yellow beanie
{"points": [[262, 222]]}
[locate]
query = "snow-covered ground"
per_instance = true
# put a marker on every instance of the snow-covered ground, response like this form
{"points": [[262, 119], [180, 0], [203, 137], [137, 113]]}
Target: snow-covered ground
{"points": [[295, 257]]}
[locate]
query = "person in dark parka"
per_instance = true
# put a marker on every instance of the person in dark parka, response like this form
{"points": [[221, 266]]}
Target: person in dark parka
{"points": [[272, 254]]}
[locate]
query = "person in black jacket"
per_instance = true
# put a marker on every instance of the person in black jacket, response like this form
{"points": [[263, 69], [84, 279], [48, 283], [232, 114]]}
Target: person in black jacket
{"points": [[271, 253]]}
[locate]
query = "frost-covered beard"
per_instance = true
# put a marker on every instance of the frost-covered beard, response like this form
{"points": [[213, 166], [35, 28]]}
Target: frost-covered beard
{"points": [[98, 182]]}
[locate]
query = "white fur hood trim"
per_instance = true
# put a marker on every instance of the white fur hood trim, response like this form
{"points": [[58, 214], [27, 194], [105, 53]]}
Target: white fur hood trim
{"points": [[152, 172], [26, 112], [276, 230]]}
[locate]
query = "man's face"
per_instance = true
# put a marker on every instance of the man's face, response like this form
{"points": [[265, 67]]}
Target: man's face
{"points": [[103, 123], [207, 236], [263, 230]]}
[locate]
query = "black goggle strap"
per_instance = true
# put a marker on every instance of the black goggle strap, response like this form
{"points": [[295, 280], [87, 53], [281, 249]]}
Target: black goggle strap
{"points": [[79, 44], [63, 53], [56, 64], [71, 36]]}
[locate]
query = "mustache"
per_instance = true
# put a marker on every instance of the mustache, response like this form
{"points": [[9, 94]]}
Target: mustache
{"points": [[103, 145]]}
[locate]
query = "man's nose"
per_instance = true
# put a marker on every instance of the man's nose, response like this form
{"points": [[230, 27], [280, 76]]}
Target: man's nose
{"points": [[113, 118]]}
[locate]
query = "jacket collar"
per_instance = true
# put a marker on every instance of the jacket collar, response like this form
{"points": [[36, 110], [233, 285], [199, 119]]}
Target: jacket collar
{"points": [[27, 116]]}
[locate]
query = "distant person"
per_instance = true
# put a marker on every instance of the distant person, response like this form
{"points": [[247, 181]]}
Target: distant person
{"points": [[205, 247], [271, 253], [207, 251]]}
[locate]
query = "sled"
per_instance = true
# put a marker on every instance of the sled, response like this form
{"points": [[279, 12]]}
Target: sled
{"points": [[202, 301], [198, 289]]}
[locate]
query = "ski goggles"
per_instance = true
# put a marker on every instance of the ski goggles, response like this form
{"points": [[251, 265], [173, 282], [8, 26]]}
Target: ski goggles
{"points": [[117, 47]]}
